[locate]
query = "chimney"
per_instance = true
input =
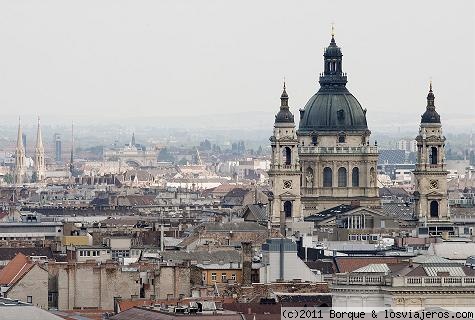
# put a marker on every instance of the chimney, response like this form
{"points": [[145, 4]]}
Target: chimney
{"points": [[246, 263]]}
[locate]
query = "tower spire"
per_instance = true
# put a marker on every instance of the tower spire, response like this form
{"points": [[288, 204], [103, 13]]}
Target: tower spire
{"points": [[430, 115], [40, 168], [19, 156], [19, 141]]}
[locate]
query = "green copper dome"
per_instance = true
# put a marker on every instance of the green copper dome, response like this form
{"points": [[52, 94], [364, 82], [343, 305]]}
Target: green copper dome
{"points": [[333, 107]]}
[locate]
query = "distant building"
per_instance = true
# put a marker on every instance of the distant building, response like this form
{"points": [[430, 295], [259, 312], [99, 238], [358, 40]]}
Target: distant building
{"points": [[407, 145], [281, 263], [57, 147]]}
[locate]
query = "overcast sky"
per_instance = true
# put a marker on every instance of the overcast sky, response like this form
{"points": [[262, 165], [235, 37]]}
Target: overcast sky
{"points": [[166, 58]]}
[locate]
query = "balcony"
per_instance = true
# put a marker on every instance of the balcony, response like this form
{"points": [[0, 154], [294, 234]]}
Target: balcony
{"points": [[370, 280], [339, 150], [434, 282]]}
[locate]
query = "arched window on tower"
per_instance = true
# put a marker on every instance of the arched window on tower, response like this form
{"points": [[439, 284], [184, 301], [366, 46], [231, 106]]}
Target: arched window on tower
{"points": [[287, 156], [434, 209], [433, 155], [342, 177], [327, 177], [288, 209], [355, 177]]}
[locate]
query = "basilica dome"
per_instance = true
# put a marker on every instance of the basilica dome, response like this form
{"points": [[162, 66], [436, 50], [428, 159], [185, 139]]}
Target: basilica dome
{"points": [[333, 107]]}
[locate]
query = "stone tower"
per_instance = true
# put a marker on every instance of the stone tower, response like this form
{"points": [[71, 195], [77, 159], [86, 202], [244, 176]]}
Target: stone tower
{"points": [[431, 205], [338, 164], [20, 165], [40, 168], [284, 173]]}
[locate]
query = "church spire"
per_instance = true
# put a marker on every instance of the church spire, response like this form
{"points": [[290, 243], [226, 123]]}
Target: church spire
{"points": [[40, 168], [284, 98], [19, 156], [39, 138], [284, 115], [430, 115], [19, 140]]}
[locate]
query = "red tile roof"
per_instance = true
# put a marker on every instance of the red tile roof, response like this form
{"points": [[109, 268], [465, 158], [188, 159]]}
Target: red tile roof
{"points": [[15, 270]]}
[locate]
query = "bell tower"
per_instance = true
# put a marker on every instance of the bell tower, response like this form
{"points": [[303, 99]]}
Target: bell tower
{"points": [[284, 173], [431, 205]]}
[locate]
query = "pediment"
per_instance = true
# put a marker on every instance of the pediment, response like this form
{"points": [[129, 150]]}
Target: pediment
{"points": [[287, 195], [434, 194]]}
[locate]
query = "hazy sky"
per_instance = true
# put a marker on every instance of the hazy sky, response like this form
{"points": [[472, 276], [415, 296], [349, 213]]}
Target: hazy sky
{"points": [[165, 58]]}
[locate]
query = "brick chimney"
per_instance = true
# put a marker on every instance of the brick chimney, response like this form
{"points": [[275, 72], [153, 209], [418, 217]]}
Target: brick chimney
{"points": [[246, 263]]}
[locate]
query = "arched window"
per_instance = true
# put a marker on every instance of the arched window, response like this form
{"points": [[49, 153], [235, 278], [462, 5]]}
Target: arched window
{"points": [[287, 156], [288, 209], [433, 155], [327, 177], [355, 177], [434, 209], [342, 177]]}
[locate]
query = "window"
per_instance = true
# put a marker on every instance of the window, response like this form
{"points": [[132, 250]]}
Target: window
{"points": [[213, 276], [288, 209], [314, 140], [341, 137], [29, 299], [233, 276], [327, 177], [204, 276], [287, 156], [355, 177], [223, 277], [342, 177], [433, 155], [434, 209]]}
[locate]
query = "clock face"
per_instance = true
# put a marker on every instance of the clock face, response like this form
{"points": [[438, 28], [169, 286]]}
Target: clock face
{"points": [[434, 184], [287, 184]]}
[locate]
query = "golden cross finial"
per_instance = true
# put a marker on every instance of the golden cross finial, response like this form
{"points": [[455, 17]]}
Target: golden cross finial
{"points": [[430, 84], [333, 29]]}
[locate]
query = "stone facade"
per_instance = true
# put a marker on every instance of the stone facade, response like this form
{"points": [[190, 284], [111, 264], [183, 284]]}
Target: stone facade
{"points": [[174, 282], [91, 285]]}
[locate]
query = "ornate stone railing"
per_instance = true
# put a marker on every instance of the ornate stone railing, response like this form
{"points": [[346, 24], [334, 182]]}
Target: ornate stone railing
{"points": [[338, 150], [433, 282]]}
